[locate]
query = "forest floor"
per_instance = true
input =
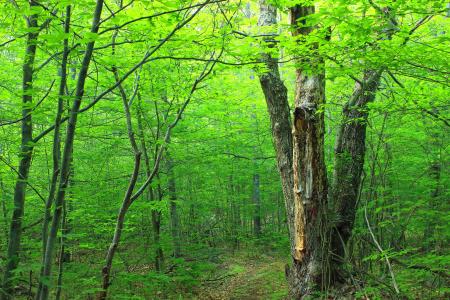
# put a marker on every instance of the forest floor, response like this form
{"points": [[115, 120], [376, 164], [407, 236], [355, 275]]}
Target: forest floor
{"points": [[246, 277]]}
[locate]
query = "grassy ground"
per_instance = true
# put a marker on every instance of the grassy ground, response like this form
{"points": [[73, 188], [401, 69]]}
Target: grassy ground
{"points": [[246, 277]]}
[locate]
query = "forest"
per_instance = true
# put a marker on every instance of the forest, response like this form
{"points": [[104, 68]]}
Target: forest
{"points": [[224, 149]]}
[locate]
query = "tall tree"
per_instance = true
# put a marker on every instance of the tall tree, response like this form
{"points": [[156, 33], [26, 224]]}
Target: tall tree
{"points": [[174, 215], [56, 150], [67, 154], [300, 159], [309, 272], [26, 150]]}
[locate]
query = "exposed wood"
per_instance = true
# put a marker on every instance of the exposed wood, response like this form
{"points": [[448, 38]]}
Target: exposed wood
{"points": [[309, 272]]}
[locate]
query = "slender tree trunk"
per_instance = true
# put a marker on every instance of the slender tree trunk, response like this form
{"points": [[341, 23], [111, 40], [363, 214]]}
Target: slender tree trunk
{"points": [[106, 271], [25, 156], [127, 199], [4, 211], [62, 252], [56, 155], [156, 223], [174, 216], [257, 206], [66, 159], [156, 215], [434, 172]]}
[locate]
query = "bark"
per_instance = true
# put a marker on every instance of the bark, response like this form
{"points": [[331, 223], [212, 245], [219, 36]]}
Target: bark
{"points": [[174, 217], [275, 94], [156, 225], [129, 197], [348, 166], [26, 150], [300, 157], [68, 147], [309, 272], [62, 252], [257, 206], [127, 201], [56, 151], [156, 215]]}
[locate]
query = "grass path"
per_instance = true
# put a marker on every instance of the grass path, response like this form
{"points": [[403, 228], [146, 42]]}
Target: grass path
{"points": [[244, 277]]}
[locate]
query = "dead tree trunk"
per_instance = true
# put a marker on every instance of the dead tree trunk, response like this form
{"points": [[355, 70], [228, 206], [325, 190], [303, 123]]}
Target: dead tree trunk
{"points": [[300, 161], [309, 272]]}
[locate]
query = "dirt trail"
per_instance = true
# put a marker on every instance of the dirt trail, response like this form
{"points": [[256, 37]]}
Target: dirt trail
{"points": [[246, 278]]}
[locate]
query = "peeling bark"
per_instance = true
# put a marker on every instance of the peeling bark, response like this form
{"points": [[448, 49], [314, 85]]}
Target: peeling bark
{"points": [[300, 158], [309, 272]]}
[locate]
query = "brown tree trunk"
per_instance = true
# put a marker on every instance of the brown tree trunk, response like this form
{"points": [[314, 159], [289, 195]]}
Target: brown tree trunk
{"points": [[300, 158], [348, 166], [309, 272], [275, 94]]}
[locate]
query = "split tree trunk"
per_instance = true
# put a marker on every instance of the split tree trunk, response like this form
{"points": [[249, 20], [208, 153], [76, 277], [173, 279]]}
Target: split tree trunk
{"points": [[309, 272], [305, 184], [26, 150], [300, 158]]}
